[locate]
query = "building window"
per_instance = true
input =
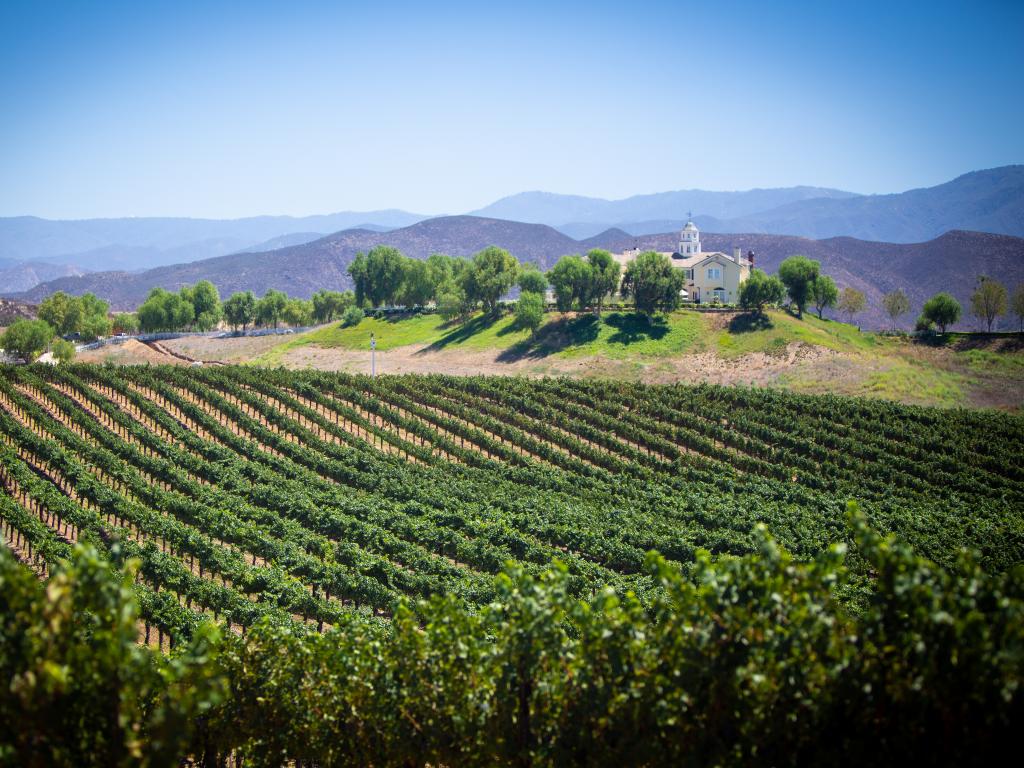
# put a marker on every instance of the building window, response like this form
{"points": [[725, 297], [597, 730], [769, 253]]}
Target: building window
{"points": [[714, 273]]}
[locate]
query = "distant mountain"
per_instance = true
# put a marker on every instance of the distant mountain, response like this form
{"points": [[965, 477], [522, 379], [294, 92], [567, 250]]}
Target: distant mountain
{"points": [[951, 262], [284, 241], [983, 201], [301, 270], [140, 243], [22, 275], [573, 210]]}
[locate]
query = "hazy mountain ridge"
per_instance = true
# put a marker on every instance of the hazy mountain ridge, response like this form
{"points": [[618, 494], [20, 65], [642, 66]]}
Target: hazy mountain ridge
{"points": [[951, 262]]}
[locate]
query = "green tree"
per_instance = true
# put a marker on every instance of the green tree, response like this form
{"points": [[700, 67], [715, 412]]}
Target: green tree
{"points": [[352, 316], [942, 310], [63, 351], [377, 275], [798, 274], [530, 311], [988, 301], [759, 290], [165, 311], [124, 322], [452, 303], [532, 280], [571, 280], [653, 283], [270, 307], [896, 305], [206, 307], [604, 277], [62, 312], [851, 302], [240, 309], [417, 283], [445, 271], [1017, 302], [823, 293], [492, 273], [330, 304], [297, 312], [27, 339]]}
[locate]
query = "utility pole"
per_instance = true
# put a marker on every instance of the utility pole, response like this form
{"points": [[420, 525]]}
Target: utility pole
{"points": [[373, 356]]}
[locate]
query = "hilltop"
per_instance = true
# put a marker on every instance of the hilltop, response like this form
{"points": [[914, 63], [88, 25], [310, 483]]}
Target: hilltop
{"points": [[806, 355]]}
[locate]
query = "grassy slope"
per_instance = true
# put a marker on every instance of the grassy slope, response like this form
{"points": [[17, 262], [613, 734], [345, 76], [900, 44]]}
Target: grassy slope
{"points": [[959, 371]]}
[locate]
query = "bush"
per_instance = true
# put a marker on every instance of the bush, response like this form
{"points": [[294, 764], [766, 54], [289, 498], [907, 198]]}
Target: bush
{"points": [[351, 316], [751, 660]]}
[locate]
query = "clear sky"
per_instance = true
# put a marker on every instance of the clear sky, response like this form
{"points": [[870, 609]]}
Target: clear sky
{"points": [[235, 109]]}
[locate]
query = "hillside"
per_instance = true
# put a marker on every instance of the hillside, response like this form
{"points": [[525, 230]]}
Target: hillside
{"points": [[950, 262], [720, 348]]}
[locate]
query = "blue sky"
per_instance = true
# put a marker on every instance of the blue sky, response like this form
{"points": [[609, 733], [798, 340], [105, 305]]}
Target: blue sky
{"points": [[236, 109]]}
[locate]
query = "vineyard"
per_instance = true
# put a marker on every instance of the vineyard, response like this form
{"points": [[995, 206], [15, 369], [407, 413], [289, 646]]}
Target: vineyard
{"points": [[418, 517], [304, 496]]}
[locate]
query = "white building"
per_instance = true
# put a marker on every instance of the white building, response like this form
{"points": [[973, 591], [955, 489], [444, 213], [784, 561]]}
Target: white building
{"points": [[710, 275]]}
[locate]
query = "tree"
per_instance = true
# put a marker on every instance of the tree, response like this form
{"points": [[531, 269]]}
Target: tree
{"points": [[27, 339], [530, 311], [798, 273], [95, 317], [941, 309], [206, 306], [297, 312], [653, 283], [445, 271], [988, 301], [270, 308], [494, 270], [330, 304], [571, 281], [532, 280], [896, 304], [240, 310], [165, 311], [86, 315], [125, 322], [604, 277], [823, 293], [63, 351], [1017, 302], [759, 290], [377, 275], [851, 302], [61, 312], [417, 286], [452, 302]]}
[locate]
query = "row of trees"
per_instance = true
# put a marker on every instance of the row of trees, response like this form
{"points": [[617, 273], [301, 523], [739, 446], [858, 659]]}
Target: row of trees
{"points": [[198, 307]]}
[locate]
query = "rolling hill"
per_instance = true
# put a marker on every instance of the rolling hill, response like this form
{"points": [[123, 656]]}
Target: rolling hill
{"points": [[950, 262]]}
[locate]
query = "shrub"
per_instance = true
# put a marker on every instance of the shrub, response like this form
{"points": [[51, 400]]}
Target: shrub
{"points": [[351, 316]]}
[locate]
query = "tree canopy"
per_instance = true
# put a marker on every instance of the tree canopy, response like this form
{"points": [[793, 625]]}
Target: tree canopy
{"points": [[823, 293], [896, 305], [240, 309], [27, 339], [759, 290], [492, 273], [942, 310], [851, 302], [989, 301], [798, 274], [653, 283]]}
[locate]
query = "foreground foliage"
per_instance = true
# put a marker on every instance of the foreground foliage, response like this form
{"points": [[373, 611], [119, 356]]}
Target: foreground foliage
{"points": [[752, 660]]}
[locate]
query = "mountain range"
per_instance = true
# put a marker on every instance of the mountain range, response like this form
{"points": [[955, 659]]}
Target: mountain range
{"points": [[950, 262], [984, 201]]}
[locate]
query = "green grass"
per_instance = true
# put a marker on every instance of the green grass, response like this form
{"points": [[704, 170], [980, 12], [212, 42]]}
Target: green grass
{"points": [[773, 334]]}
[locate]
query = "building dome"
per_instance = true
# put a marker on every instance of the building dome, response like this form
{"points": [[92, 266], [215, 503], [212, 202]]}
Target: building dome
{"points": [[689, 239]]}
